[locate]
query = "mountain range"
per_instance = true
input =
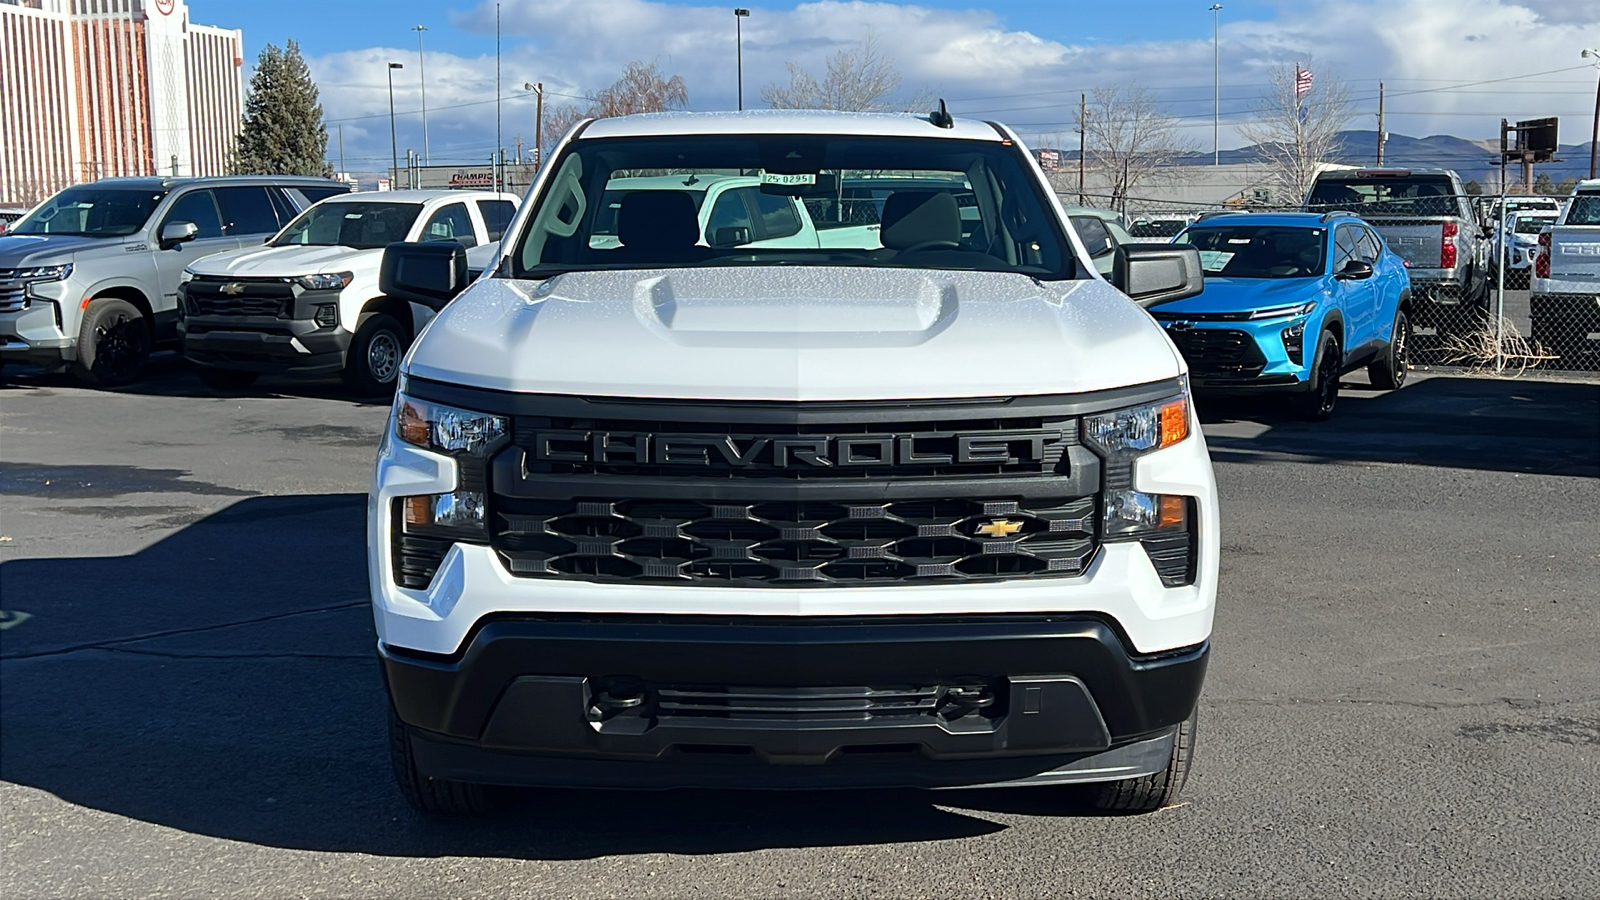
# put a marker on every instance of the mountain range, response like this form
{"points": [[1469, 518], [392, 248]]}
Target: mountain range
{"points": [[1474, 160]]}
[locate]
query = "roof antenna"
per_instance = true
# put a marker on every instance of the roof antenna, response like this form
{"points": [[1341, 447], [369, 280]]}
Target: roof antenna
{"points": [[941, 116]]}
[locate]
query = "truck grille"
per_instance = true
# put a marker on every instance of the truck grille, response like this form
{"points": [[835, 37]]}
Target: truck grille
{"points": [[221, 297], [803, 704], [1219, 351], [796, 543], [12, 295]]}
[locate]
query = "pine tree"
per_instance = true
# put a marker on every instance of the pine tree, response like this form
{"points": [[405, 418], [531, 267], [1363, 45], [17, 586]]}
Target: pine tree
{"points": [[1543, 186], [283, 132]]}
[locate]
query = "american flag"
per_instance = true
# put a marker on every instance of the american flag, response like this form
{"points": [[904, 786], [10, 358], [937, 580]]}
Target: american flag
{"points": [[1302, 82]]}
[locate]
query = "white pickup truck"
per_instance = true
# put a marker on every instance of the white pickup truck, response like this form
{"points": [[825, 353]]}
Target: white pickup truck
{"points": [[307, 302], [1565, 301]]}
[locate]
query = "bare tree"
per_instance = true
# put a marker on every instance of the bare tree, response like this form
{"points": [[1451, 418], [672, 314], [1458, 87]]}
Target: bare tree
{"points": [[641, 89], [1295, 134], [859, 79], [1130, 139]]}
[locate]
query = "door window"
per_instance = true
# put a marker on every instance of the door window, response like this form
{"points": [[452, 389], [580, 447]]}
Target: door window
{"points": [[1344, 247], [1094, 234], [450, 223], [247, 210], [729, 212], [1368, 246], [200, 208], [778, 218], [496, 216]]}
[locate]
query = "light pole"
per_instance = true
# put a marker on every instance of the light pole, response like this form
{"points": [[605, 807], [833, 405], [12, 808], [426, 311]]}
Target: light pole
{"points": [[739, 15], [1594, 130], [422, 80], [394, 153], [538, 122], [1216, 83]]}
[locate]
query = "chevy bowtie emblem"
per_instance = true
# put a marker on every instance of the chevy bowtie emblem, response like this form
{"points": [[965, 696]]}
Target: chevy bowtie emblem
{"points": [[1000, 528], [233, 289]]}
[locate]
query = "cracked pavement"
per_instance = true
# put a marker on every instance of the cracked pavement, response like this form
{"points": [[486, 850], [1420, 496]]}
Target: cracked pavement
{"points": [[1404, 698]]}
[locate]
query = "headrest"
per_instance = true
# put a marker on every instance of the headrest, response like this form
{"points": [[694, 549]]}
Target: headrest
{"points": [[917, 217], [658, 220]]}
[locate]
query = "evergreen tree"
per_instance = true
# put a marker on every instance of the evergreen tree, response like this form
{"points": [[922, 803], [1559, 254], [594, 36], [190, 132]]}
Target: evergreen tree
{"points": [[1543, 185], [283, 131]]}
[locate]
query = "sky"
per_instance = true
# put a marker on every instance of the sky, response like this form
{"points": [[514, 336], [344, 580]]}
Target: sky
{"points": [[1449, 66]]}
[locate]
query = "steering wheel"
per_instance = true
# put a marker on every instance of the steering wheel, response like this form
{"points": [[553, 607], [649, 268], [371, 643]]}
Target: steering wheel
{"points": [[932, 245]]}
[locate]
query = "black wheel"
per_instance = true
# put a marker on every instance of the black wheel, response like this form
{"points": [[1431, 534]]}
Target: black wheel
{"points": [[1388, 371], [227, 379], [113, 343], [1151, 792], [1316, 404], [430, 796], [373, 365]]}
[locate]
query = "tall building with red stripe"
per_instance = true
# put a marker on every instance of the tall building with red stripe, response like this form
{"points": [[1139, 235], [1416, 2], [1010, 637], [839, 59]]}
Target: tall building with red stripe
{"points": [[97, 88]]}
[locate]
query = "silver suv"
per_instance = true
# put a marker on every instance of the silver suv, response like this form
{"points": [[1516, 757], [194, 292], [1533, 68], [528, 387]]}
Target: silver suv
{"points": [[89, 278]]}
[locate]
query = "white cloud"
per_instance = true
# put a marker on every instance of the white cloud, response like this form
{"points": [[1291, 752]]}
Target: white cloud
{"points": [[576, 47]]}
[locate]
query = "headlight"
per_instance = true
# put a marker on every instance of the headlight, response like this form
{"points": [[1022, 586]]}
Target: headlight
{"points": [[1139, 429], [461, 514], [1299, 309], [45, 273], [445, 429], [187, 276], [327, 281], [1163, 523]]}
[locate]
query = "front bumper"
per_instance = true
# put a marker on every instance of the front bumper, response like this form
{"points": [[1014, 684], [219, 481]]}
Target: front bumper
{"points": [[1245, 356], [785, 703], [289, 343], [33, 335]]}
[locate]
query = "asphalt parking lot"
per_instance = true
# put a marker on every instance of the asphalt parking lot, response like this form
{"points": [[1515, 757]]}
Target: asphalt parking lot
{"points": [[1404, 698]]}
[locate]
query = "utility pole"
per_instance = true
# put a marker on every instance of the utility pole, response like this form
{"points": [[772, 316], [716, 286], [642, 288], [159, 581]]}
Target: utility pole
{"points": [[394, 154], [174, 165], [499, 143], [1216, 84], [1381, 134], [341, 148], [1083, 112], [422, 80], [739, 14], [538, 121], [519, 148], [1594, 130]]}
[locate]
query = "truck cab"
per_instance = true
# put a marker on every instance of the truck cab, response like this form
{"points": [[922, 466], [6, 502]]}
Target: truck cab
{"points": [[307, 301]]}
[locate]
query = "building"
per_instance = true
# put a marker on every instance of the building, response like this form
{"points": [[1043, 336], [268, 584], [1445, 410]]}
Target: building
{"points": [[96, 88]]}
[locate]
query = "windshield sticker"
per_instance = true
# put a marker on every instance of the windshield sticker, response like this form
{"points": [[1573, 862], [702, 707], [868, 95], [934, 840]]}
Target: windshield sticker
{"points": [[1215, 260], [776, 178]]}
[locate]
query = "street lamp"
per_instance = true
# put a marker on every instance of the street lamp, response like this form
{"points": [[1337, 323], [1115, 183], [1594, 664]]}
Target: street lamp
{"points": [[739, 15], [1216, 83], [1594, 130], [394, 153], [422, 79]]}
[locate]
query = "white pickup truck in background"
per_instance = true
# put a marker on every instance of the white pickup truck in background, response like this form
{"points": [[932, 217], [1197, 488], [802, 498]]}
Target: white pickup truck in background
{"points": [[1565, 302]]}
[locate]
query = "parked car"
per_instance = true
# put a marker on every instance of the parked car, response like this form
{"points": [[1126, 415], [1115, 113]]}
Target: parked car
{"points": [[1292, 302], [921, 512], [1158, 229], [1102, 231], [308, 303], [1495, 209], [1518, 237], [89, 278], [1565, 301], [1427, 218]]}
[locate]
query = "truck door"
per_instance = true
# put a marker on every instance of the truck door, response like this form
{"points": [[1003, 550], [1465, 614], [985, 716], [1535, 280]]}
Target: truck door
{"points": [[199, 207]]}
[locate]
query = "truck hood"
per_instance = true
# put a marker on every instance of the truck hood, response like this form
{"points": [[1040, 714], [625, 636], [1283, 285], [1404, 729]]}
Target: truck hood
{"points": [[1227, 295], [20, 250], [793, 333], [262, 261]]}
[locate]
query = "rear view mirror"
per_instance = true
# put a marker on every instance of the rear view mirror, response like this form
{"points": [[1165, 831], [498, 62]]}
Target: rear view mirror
{"points": [[175, 233], [1355, 270], [1158, 273], [430, 273], [731, 236]]}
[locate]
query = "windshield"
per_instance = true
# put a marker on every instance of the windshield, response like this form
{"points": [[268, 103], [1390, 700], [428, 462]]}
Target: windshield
{"points": [[1532, 224], [89, 211], [1585, 210], [1400, 195], [1258, 251], [741, 200], [361, 226], [1157, 227]]}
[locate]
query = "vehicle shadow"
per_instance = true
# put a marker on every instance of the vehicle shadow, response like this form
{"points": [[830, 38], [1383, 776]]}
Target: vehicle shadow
{"points": [[222, 682], [1509, 425], [170, 375]]}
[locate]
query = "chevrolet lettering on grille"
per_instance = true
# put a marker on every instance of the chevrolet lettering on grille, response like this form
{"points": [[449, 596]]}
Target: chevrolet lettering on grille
{"points": [[786, 451]]}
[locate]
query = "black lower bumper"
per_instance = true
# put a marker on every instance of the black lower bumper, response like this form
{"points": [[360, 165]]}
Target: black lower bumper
{"points": [[1259, 384], [680, 701], [275, 345]]}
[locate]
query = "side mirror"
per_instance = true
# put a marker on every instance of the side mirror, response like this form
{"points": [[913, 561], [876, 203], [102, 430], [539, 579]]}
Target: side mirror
{"points": [[430, 273], [732, 236], [175, 233], [1355, 270], [1158, 273]]}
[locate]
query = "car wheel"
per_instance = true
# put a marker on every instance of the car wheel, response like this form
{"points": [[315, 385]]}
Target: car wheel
{"points": [[227, 379], [1316, 404], [373, 365], [427, 795], [1388, 372], [1151, 792], [113, 343]]}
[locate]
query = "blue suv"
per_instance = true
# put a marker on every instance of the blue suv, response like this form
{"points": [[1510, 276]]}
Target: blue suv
{"points": [[1292, 302]]}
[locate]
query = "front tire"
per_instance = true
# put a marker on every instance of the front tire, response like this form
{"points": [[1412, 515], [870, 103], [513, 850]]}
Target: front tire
{"points": [[227, 379], [1151, 792], [373, 365], [113, 343], [1317, 403], [430, 796], [1388, 372]]}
